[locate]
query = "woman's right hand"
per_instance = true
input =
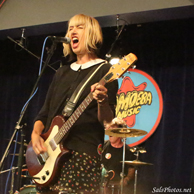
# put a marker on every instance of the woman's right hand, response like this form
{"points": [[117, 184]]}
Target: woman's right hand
{"points": [[38, 144], [37, 141]]}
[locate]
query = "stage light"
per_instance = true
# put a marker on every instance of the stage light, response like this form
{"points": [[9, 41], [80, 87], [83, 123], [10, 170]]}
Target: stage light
{"points": [[114, 60]]}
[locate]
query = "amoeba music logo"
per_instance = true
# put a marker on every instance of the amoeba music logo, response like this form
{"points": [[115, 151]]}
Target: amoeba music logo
{"points": [[139, 103]]}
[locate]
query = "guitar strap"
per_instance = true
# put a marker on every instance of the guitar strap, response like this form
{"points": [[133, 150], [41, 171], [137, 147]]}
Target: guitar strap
{"points": [[69, 108]]}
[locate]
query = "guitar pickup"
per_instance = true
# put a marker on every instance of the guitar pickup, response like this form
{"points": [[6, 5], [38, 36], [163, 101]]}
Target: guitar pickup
{"points": [[42, 158], [53, 144]]}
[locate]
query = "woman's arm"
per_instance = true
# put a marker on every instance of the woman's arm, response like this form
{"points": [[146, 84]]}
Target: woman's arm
{"points": [[105, 113]]}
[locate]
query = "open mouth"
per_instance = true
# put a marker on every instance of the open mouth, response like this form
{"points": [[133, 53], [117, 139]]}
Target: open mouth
{"points": [[75, 40]]}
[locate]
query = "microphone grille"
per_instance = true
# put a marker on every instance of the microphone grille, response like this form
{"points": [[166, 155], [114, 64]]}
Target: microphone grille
{"points": [[68, 39]]}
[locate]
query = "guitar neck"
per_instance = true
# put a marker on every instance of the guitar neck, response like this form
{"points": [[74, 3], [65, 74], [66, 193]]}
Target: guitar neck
{"points": [[114, 72], [77, 113]]}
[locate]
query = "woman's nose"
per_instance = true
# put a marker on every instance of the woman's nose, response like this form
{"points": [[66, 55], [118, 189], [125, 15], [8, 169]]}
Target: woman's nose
{"points": [[73, 31]]}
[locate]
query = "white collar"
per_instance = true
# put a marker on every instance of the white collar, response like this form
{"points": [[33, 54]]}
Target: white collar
{"points": [[74, 66]]}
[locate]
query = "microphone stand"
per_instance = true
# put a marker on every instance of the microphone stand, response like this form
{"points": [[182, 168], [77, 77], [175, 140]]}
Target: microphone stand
{"points": [[29, 51], [108, 55], [18, 125]]}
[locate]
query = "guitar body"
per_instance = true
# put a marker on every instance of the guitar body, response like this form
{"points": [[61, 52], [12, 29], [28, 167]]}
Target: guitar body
{"points": [[44, 174]]}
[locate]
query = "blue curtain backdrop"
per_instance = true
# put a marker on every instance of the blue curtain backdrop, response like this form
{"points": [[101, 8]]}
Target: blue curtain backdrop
{"points": [[165, 50]]}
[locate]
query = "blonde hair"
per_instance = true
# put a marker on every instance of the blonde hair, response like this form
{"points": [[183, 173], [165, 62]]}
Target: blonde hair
{"points": [[93, 35], [116, 122]]}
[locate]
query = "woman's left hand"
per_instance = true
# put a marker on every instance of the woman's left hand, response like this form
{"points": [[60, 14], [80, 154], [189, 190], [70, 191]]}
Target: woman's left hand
{"points": [[99, 93]]}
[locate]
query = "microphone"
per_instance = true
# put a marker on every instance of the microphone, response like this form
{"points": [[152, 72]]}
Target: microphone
{"points": [[65, 40]]}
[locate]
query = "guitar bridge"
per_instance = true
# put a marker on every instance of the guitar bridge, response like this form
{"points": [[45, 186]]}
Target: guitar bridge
{"points": [[42, 158]]}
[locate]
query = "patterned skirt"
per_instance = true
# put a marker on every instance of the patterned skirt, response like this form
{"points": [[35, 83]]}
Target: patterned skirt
{"points": [[80, 174]]}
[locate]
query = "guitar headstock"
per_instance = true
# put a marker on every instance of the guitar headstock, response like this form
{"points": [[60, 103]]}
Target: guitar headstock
{"points": [[117, 70]]}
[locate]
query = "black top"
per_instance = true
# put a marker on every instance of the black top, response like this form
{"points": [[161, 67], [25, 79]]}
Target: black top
{"points": [[112, 157], [87, 132]]}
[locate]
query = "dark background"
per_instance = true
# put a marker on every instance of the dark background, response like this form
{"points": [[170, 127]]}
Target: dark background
{"points": [[165, 50]]}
